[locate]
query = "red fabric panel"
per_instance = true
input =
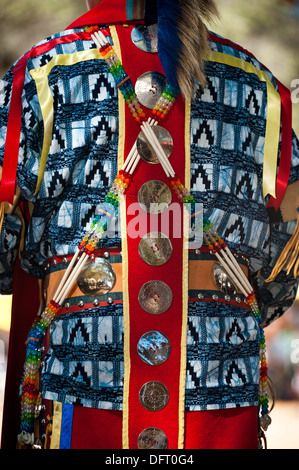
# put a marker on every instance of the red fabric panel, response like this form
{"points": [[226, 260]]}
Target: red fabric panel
{"points": [[234, 428], [96, 429], [137, 62]]}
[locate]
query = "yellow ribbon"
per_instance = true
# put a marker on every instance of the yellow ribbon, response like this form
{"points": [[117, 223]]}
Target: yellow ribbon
{"points": [[56, 428], [273, 118], [123, 218]]}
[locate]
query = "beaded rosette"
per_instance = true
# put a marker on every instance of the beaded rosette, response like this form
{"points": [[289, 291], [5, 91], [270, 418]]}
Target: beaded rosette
{"points": [[31, 397]]}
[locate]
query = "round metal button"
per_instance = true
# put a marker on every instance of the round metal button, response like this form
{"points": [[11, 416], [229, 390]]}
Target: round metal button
{"points": [[222, 280], [154, 396], [146, 151], [149, 87], [97, 279], [152, 438], [154, 348], [154, 196], [155, 297], [155, 248], [145, 38]]}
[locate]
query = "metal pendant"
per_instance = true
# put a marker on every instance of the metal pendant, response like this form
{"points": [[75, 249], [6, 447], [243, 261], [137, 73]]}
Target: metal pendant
{"points": [[155, 297], [154, 197], [97, 279], [145, 38], [149, 87], [155, 248], [147, 152], [222, 281], [153, 396], [152, 438], [153, 348]]}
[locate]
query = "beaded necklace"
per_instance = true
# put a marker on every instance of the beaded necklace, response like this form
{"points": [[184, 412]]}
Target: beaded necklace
{"points": [[31, 398]]}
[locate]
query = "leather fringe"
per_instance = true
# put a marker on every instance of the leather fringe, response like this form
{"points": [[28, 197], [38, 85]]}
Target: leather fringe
{"points": [[289, 257]]}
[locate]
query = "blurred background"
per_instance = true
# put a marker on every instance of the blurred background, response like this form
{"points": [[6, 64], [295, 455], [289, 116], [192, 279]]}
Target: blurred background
{"points": [[268, 29]]}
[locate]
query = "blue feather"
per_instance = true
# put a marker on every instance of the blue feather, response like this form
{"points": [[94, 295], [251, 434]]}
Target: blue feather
{"points": [[169, 43]]}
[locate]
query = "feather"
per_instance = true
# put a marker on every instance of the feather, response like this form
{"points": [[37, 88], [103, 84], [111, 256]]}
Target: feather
{"points": [[169, 42]]}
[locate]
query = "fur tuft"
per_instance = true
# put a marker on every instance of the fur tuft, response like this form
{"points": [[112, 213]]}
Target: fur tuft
{"points": [[183, 41]]}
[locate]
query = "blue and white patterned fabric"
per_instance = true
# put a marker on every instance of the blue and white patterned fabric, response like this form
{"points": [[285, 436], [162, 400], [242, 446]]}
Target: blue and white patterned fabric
{"points": [[227, 132]]}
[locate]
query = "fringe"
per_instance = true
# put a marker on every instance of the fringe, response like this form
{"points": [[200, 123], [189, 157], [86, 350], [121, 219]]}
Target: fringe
{"points": [[289, 257]]}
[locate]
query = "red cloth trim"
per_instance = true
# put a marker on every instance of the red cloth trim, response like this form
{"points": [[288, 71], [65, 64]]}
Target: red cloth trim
{"points": [[286, 129], [286, 147], [137, 62], [233, 428]]}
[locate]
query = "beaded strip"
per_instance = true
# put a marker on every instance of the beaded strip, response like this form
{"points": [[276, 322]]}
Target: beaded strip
{"points": [[218, 247], [106, 212]]}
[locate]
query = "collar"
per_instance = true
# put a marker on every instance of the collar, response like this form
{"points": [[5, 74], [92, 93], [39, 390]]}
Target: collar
{"points": [[112, 12]]}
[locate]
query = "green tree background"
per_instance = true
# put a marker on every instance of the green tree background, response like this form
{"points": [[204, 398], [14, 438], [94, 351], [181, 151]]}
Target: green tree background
{"points": [[267, 28]]}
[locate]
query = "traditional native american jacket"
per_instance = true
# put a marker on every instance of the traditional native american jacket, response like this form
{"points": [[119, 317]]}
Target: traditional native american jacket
{"points": [[74, 133]]}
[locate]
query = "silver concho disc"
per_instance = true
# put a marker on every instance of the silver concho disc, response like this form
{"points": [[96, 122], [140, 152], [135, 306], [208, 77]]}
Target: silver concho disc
{"points": [[222, 280], [145, 149], [149, 87], [152, 438], [155, 297], [155, 248], [97, 279], [145, 38], [153, 396], [154, 196], [153, 348]]}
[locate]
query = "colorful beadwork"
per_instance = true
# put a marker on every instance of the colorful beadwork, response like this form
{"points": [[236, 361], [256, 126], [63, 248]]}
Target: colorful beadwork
{"points": [[181, 192], [122, 80], [124, 84], [165, 103], [31, 396]]}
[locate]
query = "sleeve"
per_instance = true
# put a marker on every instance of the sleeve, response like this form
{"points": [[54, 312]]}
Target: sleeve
{"points": [[276, 284], [12, 221], [9, 247]]}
